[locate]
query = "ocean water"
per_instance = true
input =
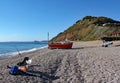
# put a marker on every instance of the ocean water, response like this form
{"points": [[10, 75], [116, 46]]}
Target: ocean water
{"points": [[13, 48]]}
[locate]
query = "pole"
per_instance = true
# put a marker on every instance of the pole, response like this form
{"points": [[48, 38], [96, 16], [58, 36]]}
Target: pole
{"points": [[48, 37], [18, 51]]}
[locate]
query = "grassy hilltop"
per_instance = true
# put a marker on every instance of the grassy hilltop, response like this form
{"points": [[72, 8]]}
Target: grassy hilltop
{"points": [[89, 28]]}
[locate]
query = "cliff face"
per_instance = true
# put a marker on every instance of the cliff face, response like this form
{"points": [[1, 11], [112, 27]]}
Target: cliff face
{"points": [[89, 28]]}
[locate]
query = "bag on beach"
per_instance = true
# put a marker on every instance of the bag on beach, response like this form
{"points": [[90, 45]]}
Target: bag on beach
{"points": [[14, 70]]}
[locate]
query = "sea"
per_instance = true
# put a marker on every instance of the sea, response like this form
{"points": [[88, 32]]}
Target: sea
{"points": [[14, 48]]}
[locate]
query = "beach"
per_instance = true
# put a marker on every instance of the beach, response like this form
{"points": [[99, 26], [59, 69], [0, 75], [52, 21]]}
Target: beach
{"points": [[86, 62]]}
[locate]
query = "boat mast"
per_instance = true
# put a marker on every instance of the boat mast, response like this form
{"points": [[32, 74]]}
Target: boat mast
{"points": [[48, 37]]}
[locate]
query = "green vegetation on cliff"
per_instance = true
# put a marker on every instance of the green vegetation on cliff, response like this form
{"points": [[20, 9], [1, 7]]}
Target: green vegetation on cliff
{"points": [[89, 28]]}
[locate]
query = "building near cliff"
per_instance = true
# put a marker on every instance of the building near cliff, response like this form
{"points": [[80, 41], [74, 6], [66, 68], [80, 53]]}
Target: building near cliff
{"points": [[116, 34]]}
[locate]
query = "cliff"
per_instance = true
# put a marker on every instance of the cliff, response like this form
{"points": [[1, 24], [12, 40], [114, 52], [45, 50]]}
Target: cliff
{"points": [[89, 28]]}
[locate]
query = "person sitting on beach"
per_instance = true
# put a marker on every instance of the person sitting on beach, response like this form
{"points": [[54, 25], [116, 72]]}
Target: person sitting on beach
{"points": [[24, 62], [21, 66]]}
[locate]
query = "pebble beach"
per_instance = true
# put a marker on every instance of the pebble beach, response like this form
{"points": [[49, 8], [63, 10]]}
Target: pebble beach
{"points": [[86, 62]]}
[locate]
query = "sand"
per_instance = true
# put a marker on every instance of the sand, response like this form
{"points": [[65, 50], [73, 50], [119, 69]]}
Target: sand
{"points": [[86, 62]]}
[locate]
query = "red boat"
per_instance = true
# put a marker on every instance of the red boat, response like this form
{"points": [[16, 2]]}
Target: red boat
{"points": [[62, 45]]}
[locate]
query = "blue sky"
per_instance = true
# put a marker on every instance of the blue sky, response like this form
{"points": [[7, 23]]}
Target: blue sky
{"points": [[29, 20]]}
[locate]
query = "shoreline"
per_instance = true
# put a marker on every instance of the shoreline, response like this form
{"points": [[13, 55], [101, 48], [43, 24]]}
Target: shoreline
{"points": [[86, 62], [10, 54]]}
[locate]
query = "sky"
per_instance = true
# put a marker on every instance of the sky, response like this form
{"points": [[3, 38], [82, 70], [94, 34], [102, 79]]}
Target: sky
{"points": [[29, 20]]}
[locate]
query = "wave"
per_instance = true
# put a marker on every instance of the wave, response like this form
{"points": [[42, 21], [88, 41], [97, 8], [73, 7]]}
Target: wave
{"points": [[21, 52]]}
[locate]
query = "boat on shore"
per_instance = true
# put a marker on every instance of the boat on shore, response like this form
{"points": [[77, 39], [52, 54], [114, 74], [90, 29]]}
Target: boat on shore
{"points": [[60, 45]]}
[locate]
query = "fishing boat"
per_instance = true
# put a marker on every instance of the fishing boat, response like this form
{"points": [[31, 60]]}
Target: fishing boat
{"points": [[60, 45]]}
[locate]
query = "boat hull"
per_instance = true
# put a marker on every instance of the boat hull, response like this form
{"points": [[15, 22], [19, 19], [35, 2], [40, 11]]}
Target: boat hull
{"points": [[61, 46]]}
